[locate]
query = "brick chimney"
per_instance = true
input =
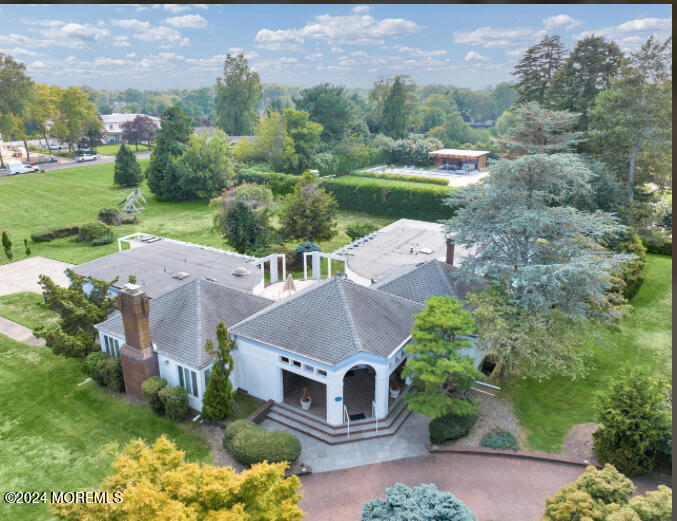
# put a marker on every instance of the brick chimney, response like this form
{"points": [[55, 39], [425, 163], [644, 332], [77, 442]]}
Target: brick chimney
{"points": [[139, 361], [450, 251]]}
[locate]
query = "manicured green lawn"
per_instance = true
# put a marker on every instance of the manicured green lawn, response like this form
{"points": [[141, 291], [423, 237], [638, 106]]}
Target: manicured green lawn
{"points": [[61, 198], [55, 434], [548, 410], [246, 404], [27, 308], [390, 182], [111, 150]]}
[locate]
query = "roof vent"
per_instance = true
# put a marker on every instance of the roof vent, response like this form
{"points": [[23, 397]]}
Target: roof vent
{"points": [[427, 251], [209, 279], [180, 275], [240, 271]]}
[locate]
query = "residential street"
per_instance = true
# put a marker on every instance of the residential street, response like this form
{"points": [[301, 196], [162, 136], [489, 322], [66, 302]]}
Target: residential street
{"points": [[495, 488], [71, 163]]}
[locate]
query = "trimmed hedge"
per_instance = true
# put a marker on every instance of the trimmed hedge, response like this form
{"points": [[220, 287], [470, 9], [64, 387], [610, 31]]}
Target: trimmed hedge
{"points": [[151, 388], [450, 427], [109, 216], [105, 370], [54, 234], [500, 439], [249, 444], [378, 197], [106, 239], [279, 184], [175, 402], [403, 177], [92, 231]]}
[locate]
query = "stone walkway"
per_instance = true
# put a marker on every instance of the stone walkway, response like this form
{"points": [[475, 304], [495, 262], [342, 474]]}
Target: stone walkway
{"points": [[19, 332], [410, 440], [496, 488]]}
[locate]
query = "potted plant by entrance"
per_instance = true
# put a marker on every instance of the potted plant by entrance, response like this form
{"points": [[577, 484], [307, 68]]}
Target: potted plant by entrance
{"points": [[394, 387], [305, 399]]}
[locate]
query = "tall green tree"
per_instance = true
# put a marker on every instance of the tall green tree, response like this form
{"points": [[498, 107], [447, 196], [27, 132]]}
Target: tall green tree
{"points": [[331, 106], [243, 216], [218, 402], [545, 256], [237, 94], [308, 213], [440, 373], [7, 245], [536, 69], [273, 143], [502, 97], [636, 416], [392, 105], [587, 71], [15, 90], [127, 171], [75, 114], [205, 167], [170, 142], [74, 334], [537, 130], [456, 131], [43, 108], [632, 119], [305, 135]]}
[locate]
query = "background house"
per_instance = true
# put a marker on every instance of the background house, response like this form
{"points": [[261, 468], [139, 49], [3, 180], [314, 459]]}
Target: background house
{"points": [[112, 125]]}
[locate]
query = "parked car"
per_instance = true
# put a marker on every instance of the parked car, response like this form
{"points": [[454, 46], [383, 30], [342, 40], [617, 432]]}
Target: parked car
{"points": [[55, 147], [85, 157], [16, 167]]}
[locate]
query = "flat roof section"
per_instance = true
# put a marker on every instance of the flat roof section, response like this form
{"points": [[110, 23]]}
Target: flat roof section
{"points": [[457, 153], [164, 265], [401, 243]]}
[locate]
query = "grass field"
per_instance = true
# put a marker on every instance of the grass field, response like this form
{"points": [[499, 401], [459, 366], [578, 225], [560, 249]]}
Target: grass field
{"points": [[56, 434], [61, 198], [28, 309], [111, 150], [548, 410]]}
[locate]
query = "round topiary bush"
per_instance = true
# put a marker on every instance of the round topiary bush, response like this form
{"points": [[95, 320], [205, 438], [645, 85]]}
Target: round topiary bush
{"points": [[92, 231], [110, 216], [151, 388], [249, 444], [91, 361], [500, 439], [450, 427], [175, 402], [112, 374]]}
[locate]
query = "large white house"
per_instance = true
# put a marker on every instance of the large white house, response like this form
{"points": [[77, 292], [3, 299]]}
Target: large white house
{"points": [[112, 125], [341, 341]]}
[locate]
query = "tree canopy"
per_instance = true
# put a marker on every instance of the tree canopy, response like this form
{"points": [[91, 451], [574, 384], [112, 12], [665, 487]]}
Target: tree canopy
{"points": [[308, 212], [439, 370], [536, 69], [218, 401], [332, 107], [156, 482], [237, 93]]}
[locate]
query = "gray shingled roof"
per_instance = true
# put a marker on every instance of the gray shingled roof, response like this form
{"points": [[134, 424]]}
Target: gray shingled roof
{"points": [[333, 320], [155, 264], [183, 319], [428, 279]]}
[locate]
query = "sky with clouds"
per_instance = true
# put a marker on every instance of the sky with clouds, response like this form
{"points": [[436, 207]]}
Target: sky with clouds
{"points": [[159, 46]]}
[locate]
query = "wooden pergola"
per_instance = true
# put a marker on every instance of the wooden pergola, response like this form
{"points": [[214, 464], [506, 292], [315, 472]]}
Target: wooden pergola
{"points": [[461, 158]]}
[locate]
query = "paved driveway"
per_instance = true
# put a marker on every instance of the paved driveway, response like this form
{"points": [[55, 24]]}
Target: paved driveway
{"points": [[23, 275], [496, 488]]}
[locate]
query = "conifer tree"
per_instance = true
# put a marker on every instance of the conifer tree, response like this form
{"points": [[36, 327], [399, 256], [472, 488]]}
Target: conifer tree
{"points": [[218, 403], [537, 68], [127, 170], [7, 245]]}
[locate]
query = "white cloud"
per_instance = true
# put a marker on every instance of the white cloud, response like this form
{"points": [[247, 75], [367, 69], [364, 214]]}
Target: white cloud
{"points": [[337, 49], [419, 52], [175, 8], [191, 21], [120, 41], [131, 55], [361, 9], [516, 53], [20, 51], [37, 65], [351, 29], [147, 32], [199, 6], [495, 37], [473, 56], [560, 20], [630, 35], [74, 32]]}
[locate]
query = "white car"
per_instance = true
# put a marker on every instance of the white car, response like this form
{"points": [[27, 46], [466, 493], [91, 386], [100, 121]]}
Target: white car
{"points": [[15, 168], [85, 157], [55, 147]]}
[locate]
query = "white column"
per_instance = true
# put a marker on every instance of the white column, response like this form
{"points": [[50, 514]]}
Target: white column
{"points": [[328, 267], [273, 269], [381, 391], [284, 267], [334, 407], [279, 388], [317, 266], [305, 267]]}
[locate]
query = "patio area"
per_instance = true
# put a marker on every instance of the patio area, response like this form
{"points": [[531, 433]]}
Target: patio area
{"points": [[358, 392]]}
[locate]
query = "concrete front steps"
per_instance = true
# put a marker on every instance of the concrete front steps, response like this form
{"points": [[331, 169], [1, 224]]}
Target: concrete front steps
{"points": [[366, 429]]}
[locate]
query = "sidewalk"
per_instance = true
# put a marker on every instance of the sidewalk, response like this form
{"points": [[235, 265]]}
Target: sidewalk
{"points": [[19, 332]]}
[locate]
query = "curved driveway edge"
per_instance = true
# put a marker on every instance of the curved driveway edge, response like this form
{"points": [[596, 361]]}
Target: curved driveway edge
{"points": [[535, 455], [496, 488]]}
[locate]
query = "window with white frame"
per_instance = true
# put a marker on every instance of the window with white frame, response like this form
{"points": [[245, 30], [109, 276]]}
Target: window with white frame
{"points": [[188, 380], [111, 345], [207, 372]]}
